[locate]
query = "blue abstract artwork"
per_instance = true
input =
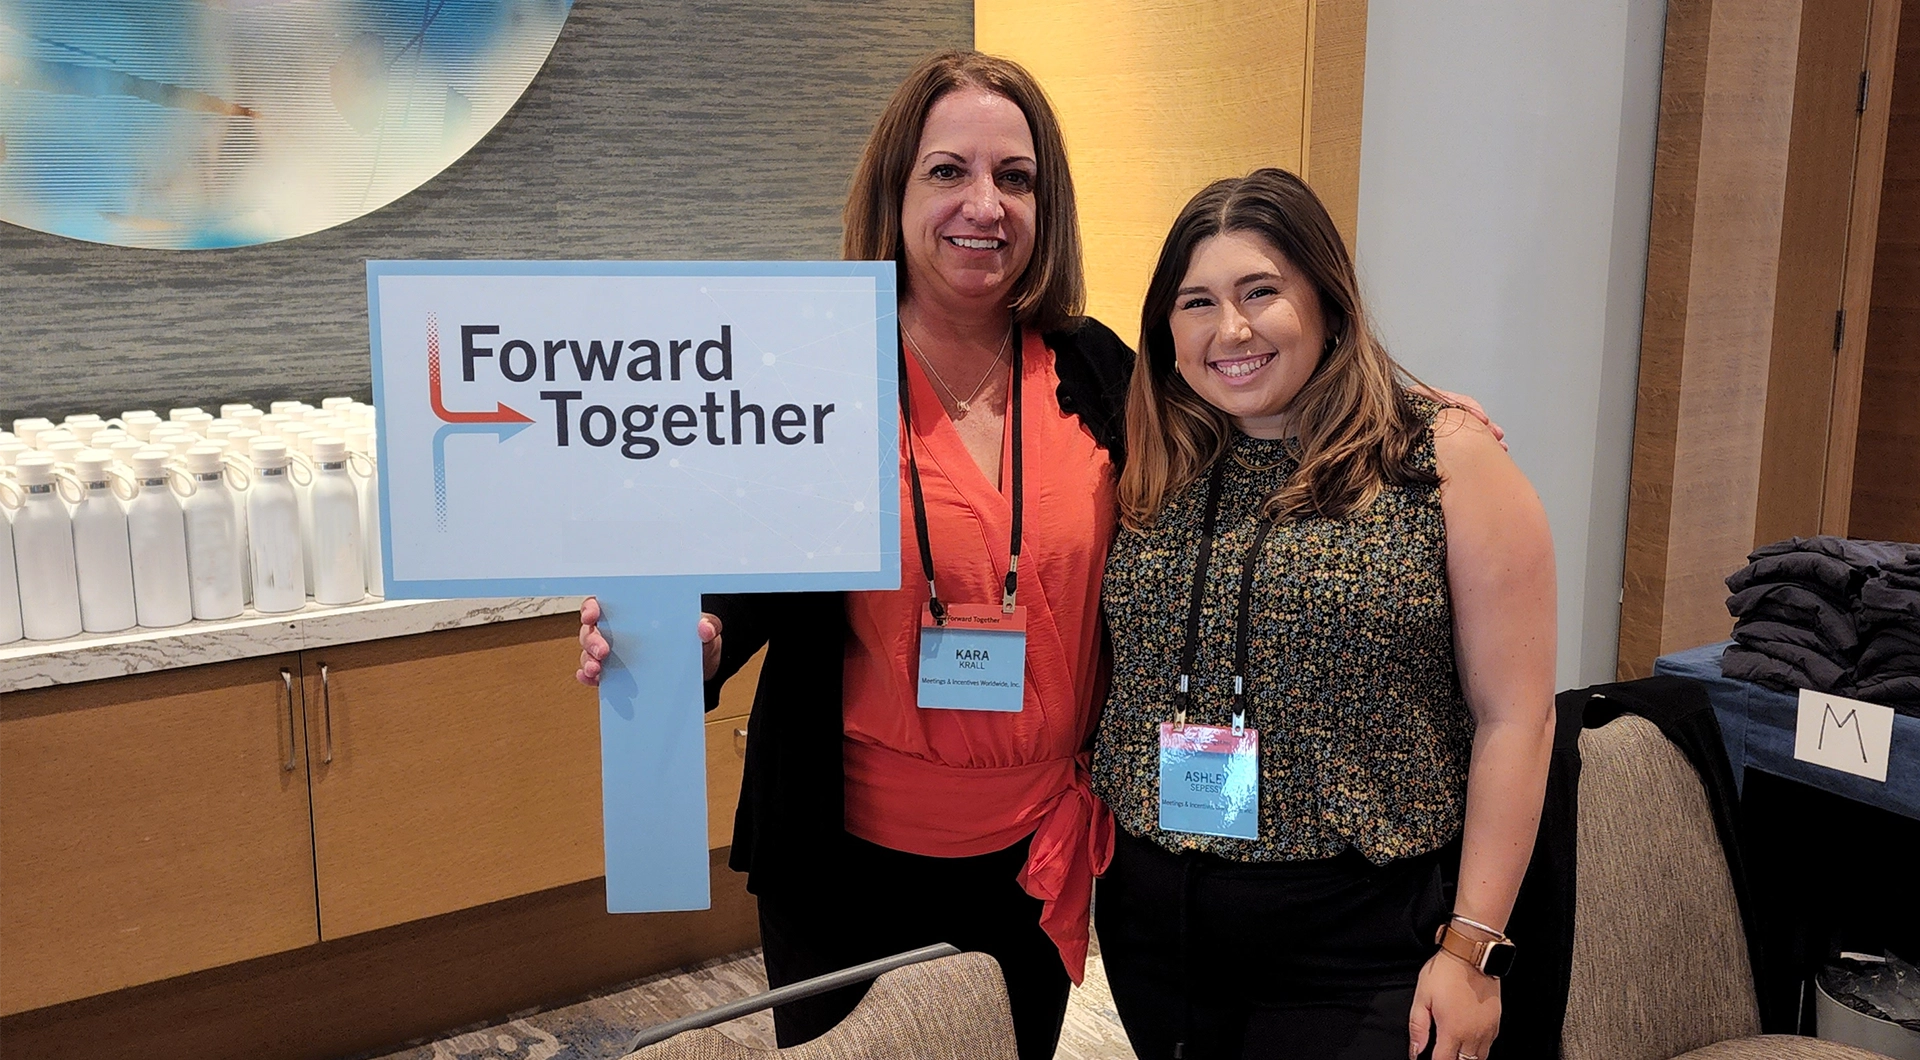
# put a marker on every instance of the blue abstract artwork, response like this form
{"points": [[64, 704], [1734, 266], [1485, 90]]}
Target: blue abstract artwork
{"points": [[196, 124]]}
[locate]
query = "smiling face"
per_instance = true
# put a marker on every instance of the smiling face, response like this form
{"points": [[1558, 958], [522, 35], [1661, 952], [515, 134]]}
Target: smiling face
{"points": [[967, 217], [1247, 330]]}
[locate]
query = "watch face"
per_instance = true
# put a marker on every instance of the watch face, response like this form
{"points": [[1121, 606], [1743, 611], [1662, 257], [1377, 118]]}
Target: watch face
{"points": [[1499, 959]]}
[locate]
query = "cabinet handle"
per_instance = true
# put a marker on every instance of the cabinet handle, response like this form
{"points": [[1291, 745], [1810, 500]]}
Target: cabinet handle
{"points": [[740, 733], [326, 714], [286, 676]]}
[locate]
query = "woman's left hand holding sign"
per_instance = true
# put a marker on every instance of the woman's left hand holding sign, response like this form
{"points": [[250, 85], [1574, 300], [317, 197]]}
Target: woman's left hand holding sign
{"points": [[594, 649]]}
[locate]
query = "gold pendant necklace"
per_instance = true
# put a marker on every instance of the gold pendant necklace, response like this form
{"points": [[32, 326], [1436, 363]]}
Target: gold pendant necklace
{"points": [[960, 404]]}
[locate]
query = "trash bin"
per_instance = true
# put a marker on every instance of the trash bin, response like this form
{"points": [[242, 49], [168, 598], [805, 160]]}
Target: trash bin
{"points": [[1888, 986]]}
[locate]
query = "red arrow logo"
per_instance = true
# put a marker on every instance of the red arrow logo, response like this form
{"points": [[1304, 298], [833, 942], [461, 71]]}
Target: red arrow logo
{"points": [[500, 414]]}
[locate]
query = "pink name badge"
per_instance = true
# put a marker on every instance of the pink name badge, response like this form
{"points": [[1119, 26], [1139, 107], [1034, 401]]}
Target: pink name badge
{"points": [[977, 661]]}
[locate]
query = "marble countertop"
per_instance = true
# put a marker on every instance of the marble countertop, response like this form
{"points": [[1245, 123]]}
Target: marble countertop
{"points": [[91, 656]]}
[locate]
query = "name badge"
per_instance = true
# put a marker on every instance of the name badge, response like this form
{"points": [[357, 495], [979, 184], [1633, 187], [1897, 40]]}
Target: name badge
{"points": [[1209, 781], [977, 661]]}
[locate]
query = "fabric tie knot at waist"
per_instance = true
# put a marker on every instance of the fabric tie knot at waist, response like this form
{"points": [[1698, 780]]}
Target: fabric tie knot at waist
{"points": [[1072, 845]]}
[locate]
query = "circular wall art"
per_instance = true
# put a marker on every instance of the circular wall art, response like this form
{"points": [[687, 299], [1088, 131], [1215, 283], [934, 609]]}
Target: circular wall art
{"points": [[194, 124]]}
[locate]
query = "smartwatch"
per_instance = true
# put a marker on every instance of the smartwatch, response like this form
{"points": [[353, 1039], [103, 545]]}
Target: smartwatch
{"points": [[1492, 957]]}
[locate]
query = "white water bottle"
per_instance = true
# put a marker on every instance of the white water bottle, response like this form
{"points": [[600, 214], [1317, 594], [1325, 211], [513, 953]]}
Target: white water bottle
{"points": [[213, 552], [140, 422], [157, 529], [237, 446], [10, 630], [299, 439], [339, 571], [28, 429], [360, 440], [102, 551], [43, 554], [273, 532]]}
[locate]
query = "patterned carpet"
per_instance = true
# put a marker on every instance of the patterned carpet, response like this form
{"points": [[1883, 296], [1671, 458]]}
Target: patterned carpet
{"points": [[599, 1028]]}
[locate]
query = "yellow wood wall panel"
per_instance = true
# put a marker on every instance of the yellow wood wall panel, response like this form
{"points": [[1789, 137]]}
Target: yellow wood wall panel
{"points": [[1723, 384], [1713, 263], [1157, 99], [1336, 78], [1663, 333]]}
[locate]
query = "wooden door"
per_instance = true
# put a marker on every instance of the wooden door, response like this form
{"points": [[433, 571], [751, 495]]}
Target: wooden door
{"points": [[1810, 289], [450, 769], [151, 826], [1885, 487]]}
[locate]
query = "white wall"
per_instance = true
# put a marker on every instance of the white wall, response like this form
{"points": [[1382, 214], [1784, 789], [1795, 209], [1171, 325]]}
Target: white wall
{"points": [[1506, 176]]}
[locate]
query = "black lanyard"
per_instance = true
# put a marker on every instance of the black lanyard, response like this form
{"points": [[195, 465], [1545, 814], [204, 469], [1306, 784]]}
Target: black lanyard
{"points": [[919, 500], [1182, 697]]}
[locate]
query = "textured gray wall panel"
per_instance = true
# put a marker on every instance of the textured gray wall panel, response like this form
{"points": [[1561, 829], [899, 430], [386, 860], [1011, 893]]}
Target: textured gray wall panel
{"points": [[656, 130]]}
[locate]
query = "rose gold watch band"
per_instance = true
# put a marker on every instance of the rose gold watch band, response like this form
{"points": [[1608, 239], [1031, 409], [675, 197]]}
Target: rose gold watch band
{"points": [[1471, 950]]}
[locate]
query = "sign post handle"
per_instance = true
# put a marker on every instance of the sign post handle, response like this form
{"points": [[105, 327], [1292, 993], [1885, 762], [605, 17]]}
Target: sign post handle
{"points": [[653, 761]]}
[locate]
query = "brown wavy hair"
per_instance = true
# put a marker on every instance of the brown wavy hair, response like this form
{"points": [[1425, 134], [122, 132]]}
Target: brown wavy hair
{"points": [[1356, 424], [1051, 293]]}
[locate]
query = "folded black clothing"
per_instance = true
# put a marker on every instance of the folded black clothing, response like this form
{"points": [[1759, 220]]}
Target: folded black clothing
{"points": [[1752, 631], [1900, 693], [1896, 580], [1865, 555], [1745, 664], [1797, 606], [1834, 578], [1884, 602], [1909, 566], [1891, 652], [1822, 673]]}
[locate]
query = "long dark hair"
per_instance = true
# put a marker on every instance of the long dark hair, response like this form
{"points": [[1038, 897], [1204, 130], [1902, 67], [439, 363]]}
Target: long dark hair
{"points": [[1357, 427]]}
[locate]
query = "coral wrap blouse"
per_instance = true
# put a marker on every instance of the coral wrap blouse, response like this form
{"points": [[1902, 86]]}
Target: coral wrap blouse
{"points": [[959, 783]]}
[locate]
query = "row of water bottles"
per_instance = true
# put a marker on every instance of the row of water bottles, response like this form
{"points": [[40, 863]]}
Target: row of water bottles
{"points": [[107, 524]]}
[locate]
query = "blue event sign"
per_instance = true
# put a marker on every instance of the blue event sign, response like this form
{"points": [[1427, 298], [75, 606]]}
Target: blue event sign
{"points": [[642, 432]]}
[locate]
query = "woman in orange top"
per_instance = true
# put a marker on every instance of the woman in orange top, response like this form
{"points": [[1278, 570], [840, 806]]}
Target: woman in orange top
{"points": [[879, 812]]}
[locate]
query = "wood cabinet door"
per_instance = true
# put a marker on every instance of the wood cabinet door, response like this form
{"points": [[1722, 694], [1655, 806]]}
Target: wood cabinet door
{"points": [[450, 769], [151, 826]]}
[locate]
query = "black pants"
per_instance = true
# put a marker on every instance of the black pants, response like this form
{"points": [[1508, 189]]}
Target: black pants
{"points": [[871, 902], [1214, 958]]}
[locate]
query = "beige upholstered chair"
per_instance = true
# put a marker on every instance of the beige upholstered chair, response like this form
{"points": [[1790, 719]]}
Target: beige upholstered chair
{"points": [[954, 1008], [1660, 965]]}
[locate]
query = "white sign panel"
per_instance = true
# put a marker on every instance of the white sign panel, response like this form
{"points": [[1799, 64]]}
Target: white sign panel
{"points": [[1844, 734], [568, 422]]}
